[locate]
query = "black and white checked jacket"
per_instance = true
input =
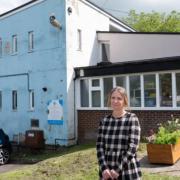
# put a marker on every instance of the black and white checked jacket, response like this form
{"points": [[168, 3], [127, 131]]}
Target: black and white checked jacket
{"points": [[116, 145]]}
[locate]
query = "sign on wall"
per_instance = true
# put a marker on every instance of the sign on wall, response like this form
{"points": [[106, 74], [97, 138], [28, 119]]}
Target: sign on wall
{"points": [[55, 112]]}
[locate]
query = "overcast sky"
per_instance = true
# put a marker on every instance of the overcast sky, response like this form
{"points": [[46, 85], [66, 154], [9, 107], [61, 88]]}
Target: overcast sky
{"points": [[116, 7]]}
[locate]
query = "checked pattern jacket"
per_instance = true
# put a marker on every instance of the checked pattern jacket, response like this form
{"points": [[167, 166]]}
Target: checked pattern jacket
{"points": [[117, 143]]}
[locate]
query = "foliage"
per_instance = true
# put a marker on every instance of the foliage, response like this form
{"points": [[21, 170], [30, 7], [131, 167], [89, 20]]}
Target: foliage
{"points": [[168, 133], [154, 21]]}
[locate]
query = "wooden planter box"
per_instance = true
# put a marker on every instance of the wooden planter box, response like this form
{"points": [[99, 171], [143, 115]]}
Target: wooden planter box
{"points": [[163, 153]]}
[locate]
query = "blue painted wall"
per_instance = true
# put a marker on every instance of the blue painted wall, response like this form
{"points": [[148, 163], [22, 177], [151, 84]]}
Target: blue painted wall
{"points": [[44, 67]]}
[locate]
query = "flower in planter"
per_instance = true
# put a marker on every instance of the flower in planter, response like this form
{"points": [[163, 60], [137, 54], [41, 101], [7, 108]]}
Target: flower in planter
{"points": [[151, 136], [168, 132]]}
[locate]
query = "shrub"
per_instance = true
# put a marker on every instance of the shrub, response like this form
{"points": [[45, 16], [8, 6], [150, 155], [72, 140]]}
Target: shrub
{"points": [[168, 133]]}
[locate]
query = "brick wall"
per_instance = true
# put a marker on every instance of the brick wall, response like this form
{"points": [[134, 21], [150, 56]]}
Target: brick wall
{"points": [[88, 121]]}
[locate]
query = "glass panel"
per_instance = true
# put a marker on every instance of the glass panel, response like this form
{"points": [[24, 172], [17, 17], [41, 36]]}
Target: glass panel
{"points": [[84, 90], [95, 82], [135, 91], [31, 98], [96, 99], [14, 100], [149, 91], [121, 81], [31, 41], [14, 44], [108, 85], [79, 39], [178, 89], [165, 90], [105, 52]]}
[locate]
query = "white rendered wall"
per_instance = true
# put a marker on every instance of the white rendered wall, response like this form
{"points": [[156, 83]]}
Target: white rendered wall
{"points": [[89, 21], [134, 46]]}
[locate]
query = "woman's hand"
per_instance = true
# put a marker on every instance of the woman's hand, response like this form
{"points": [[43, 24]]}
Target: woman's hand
{"points": [[107, 174], [114, 174]]}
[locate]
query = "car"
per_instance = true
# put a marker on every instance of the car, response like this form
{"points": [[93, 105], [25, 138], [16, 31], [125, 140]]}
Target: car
{"points": [[5, 147]]}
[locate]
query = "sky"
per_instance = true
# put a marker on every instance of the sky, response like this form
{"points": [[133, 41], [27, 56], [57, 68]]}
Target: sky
{"points": [[118, 8]]}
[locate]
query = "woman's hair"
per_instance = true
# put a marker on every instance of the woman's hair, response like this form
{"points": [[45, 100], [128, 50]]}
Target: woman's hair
{"points": [[123, 93]]}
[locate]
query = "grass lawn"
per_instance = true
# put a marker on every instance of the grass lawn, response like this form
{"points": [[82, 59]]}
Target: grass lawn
{"points": [[73, 163]]}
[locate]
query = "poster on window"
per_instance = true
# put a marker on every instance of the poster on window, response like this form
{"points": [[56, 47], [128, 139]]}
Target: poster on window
{"points": [[55, 112]]}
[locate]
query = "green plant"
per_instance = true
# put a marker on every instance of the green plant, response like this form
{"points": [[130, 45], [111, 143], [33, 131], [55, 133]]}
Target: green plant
{"points": [[168, 132]]}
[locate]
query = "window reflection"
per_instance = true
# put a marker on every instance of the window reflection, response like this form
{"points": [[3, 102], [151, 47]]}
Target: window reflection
{"points": [[135, 92], [149, 91], [178, 89], [165, 90]]}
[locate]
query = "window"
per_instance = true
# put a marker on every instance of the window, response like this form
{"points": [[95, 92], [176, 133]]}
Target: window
{"points": [[0, 100], [149, 91], [30, 41], [135, 91], [121, 81], [95, 93], [79, 39], [1, 47], [96, 98], [14, 44], [84, 90], [105, 52], [178, 89], [14, 100], [31, 99], [165, 90], [108, 85]]}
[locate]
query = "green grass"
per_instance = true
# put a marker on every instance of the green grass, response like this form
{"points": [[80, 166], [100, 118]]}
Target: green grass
{"points": [[74, 163]]}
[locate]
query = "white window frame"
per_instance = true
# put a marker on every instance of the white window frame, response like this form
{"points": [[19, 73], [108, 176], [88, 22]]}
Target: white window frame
{"points": [[14, 100], [31, 99], [95, 88], [30, 41], [14, 44]]}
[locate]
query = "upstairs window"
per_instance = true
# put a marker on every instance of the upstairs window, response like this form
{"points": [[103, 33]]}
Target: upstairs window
{"points": [[0, 100], [0, 47], [79, 39], [105, 52], [14, 44], [31, 99], [14, 100], [30, 41]]}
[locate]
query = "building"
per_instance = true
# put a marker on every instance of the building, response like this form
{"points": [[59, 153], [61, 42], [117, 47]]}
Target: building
{"points": [[41, 42], [146, 64]]}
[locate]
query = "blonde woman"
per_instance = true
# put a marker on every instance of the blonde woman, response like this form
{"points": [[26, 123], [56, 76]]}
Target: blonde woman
{"points": [[118, 139]]}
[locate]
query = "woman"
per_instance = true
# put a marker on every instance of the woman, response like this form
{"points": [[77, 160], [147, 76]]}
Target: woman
{"points": [[118, 139]]}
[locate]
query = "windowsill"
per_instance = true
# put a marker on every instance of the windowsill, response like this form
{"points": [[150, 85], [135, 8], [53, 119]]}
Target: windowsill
{"points": [[31, 110], [31, 51], [14, 54], [15, 110]]}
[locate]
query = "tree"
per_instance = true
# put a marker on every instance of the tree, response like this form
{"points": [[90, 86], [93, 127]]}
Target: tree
{"points": [[154, 21]]}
